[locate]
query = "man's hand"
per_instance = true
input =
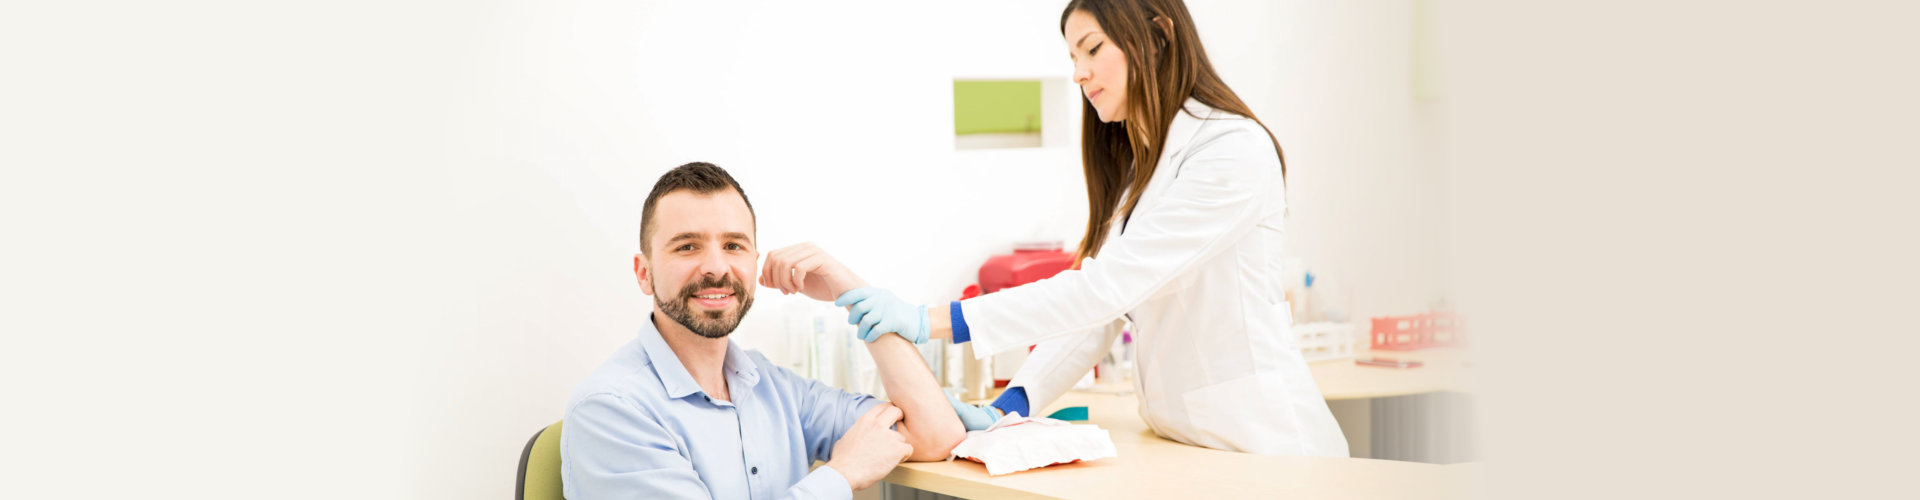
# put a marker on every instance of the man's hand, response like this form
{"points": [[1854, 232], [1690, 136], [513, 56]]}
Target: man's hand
{"points": [[807, 269], [870, 449]]}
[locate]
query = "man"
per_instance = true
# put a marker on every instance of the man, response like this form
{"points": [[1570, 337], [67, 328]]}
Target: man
{"points": [[681, 412]]}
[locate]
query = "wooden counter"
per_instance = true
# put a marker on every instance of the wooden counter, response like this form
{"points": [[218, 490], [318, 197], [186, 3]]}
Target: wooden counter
{"points": [[1149, 466], [1445, 370]]}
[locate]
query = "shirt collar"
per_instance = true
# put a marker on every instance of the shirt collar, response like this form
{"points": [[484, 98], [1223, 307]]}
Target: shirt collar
{"points": [[674, 375], [740, 368]]}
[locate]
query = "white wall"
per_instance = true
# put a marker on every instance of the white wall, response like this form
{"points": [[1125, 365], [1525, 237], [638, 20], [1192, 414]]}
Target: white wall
{"points": [[1332, 80], [377, 244]]}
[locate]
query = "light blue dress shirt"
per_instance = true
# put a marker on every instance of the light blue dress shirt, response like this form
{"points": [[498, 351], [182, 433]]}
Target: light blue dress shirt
{"points": [[640, 427]]}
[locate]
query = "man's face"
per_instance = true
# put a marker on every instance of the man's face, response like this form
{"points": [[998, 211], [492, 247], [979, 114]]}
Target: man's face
{"points": [[703, 257]]}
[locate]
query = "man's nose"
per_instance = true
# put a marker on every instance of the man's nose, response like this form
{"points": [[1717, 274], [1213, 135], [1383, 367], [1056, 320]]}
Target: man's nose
{"points": [[714, 263]]}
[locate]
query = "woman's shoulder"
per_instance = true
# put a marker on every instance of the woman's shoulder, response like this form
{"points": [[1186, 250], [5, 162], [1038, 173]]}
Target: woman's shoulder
{"points": [[1207, 121], [1212, 126], [1214, 133]]}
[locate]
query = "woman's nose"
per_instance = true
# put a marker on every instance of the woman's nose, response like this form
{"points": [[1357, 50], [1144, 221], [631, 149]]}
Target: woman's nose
{"points": [[1081, 74]]}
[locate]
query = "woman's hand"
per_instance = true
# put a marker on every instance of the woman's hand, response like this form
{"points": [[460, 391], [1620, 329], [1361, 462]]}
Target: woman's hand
{"points": [[879, 312], [807, 269], [974, 417]]}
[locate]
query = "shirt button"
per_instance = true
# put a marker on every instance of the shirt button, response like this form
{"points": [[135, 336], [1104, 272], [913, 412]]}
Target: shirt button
{"points": [[756, 470]]}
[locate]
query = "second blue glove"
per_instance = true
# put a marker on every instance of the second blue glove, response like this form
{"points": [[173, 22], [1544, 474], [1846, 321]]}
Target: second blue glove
{"points": [[974, 418]]}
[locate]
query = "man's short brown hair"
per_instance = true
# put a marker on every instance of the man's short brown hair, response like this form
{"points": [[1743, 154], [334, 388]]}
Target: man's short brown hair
{"points": [[699, 177]]}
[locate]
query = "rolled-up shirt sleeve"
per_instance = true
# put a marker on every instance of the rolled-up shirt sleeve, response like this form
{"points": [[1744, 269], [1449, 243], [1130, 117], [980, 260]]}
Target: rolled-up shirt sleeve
{"points": [[825, 411]]}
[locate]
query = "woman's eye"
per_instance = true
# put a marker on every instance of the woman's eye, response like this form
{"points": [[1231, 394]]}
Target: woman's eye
{"points": [[1096, 48]]}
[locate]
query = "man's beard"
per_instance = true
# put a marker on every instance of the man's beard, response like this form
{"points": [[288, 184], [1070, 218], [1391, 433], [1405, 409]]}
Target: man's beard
{"points": [[709, 324]]}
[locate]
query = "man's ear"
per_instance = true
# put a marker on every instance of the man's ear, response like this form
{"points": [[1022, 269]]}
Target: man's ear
{"points": [[642, 274], [758, 260]]}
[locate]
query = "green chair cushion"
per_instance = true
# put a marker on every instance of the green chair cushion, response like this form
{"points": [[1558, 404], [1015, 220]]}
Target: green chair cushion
{"points": [[540, 474]]}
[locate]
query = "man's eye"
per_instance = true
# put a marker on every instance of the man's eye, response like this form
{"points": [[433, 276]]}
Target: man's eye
{"points": [[736, 246], [685, 247]]}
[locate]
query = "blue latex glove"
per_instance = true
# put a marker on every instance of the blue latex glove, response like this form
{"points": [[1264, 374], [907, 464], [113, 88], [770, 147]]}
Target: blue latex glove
{"points": [[879, 312], [975, 418]]}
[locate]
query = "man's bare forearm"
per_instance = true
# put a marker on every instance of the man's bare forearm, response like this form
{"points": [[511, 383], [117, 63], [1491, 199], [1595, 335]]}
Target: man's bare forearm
{"points": [[930, 423]]}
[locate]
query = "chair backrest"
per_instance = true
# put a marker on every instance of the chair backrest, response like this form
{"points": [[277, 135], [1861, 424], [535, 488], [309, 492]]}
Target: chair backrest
{"points": [[540, 466]]}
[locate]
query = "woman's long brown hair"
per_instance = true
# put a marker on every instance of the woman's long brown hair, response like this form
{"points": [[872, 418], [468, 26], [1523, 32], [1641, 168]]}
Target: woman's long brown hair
{"points": [[1165, 66]]}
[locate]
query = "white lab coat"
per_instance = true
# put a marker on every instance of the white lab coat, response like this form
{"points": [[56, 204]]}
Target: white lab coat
{"points": [[1197, 270]]}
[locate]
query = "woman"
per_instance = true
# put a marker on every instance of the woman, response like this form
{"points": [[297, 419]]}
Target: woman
{"points": [[1186, 194]]}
